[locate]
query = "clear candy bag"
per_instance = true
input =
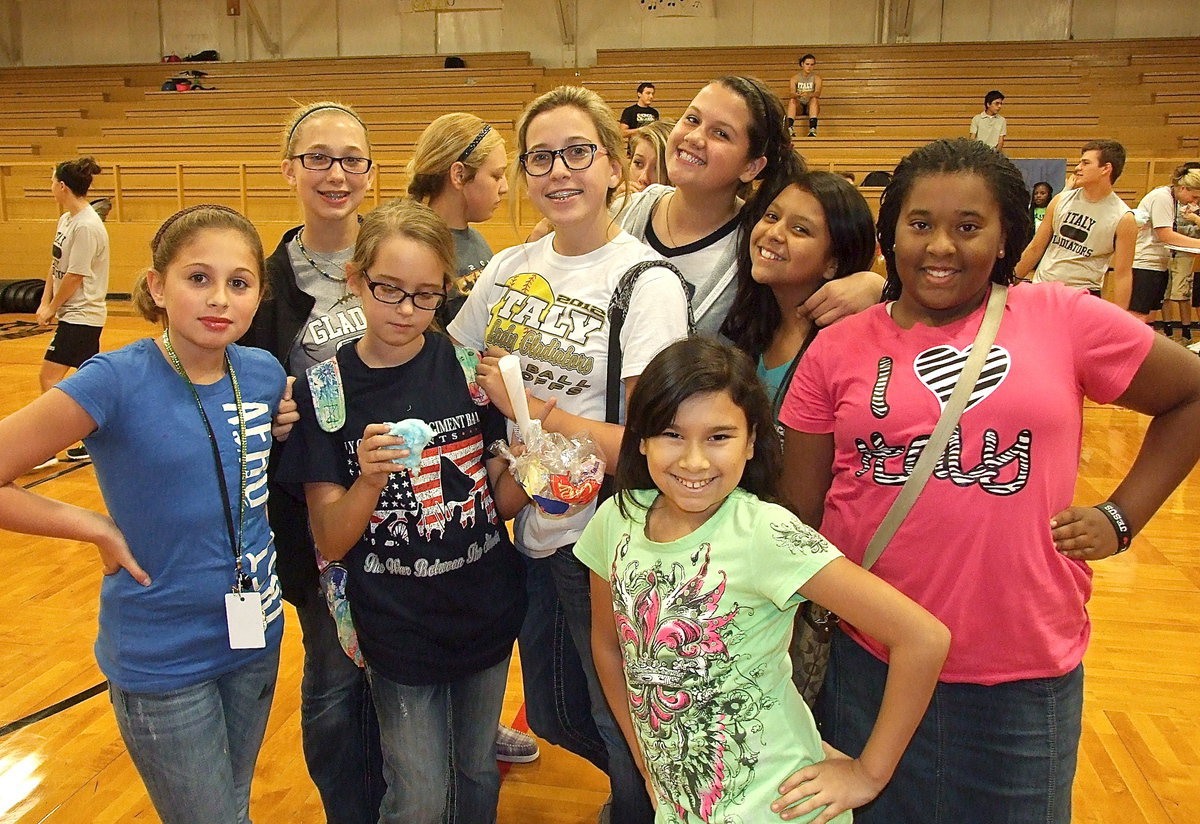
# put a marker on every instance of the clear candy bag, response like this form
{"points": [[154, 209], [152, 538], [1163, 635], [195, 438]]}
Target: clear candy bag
{"points": [[562, 475]]}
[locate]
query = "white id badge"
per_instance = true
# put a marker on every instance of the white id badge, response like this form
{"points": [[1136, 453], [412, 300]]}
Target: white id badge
{"points": [[244, 614]]}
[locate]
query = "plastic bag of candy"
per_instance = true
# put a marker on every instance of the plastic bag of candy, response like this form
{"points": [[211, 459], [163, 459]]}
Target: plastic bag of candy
{"points": [[562, 475]]}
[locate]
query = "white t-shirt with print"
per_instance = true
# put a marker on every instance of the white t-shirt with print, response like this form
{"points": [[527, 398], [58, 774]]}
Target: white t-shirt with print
{"points": [[81, 248], [552, 311]]}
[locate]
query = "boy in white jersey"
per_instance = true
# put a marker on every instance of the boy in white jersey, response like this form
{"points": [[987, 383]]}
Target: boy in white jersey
{"points": [[1087, 229]]}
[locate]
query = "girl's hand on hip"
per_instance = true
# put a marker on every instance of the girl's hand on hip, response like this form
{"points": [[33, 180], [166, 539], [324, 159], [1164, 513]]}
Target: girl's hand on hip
{"points": [[1083, 533], [115, 554], [376, 452], [838, 783]]}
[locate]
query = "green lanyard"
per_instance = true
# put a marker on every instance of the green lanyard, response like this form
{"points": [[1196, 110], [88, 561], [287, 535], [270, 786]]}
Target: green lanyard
{"points": [[243, 582]]}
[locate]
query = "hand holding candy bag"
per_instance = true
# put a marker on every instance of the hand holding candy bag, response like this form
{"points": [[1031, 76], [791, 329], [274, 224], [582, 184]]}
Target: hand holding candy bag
{"points": [[562, 475]]}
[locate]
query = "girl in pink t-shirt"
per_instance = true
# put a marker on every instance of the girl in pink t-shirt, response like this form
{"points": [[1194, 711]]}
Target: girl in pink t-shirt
{"points": [[992, 546]]}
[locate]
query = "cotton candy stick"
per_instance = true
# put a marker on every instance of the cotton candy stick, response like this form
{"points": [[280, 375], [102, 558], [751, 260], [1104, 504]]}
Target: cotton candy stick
{"points": [[510, 371]]}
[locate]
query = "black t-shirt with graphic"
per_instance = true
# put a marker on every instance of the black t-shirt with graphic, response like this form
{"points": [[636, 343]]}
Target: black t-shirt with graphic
{"points": [[636, 116], [435, 586]]}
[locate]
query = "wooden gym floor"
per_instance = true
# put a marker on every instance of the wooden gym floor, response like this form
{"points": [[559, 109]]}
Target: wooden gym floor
{"points": [[1139, 759]]}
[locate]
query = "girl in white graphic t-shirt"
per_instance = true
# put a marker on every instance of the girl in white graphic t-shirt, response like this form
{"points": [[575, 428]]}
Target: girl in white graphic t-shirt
{"points": [[548, 302]]}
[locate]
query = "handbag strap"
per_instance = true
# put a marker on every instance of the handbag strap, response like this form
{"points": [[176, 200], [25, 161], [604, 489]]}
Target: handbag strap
{"points": [[936, 445]]}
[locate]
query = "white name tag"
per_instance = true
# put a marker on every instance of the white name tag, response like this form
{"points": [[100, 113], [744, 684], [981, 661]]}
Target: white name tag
{"points": [[247, 626]]}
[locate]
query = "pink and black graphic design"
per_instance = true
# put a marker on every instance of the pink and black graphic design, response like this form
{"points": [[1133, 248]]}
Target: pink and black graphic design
{"points": [[697, 716], [998, 471]]}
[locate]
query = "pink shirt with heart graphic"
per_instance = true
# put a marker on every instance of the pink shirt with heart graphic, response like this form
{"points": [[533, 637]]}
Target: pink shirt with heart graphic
{"points": [[975, 550]]}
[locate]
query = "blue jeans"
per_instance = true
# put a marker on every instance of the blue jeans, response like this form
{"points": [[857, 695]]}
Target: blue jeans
{"points": [[195, 747], [425, 730], [557, 704], [337, 723], [547, 684], [1003, 754]]}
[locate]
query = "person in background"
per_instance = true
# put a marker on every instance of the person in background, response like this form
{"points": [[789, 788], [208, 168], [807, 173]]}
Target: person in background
{"points": [[640, 113], [1087, 229], [804, 96], [77, 284], [1039, 199], [989, 126], [648, 160], [1177, 308], [1157, 215]]}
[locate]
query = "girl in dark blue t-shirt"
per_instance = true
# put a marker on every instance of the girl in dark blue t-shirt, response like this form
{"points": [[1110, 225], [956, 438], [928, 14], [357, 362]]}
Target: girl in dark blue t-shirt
{"points": [[435, 586]]}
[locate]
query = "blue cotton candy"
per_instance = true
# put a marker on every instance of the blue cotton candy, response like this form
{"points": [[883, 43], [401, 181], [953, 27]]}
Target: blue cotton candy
{"points": [[416, 434]]}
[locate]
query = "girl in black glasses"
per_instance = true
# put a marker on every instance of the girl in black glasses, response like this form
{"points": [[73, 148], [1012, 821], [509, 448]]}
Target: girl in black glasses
{"points": [[436, 590], [549, 302], [326, 161]]}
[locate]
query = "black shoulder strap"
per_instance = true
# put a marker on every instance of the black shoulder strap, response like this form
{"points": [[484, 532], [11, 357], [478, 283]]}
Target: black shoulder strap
{"points": [[618, 308]]}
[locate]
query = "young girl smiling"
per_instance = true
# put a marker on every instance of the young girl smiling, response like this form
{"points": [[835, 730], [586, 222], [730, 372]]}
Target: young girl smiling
{"points": [[994, 524], [703, 574], [548, 301]]}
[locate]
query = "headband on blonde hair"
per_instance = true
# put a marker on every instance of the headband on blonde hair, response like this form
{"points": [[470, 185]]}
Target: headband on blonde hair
{"points": [[471, 146], [327, 107]]}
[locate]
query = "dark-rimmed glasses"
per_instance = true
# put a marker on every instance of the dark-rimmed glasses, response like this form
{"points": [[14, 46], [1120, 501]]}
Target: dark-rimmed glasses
{"points": [[575, 157], [318, 162], [394, 295]]}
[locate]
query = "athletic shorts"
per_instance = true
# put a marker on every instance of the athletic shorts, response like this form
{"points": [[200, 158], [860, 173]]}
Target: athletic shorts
{"points": [[1180, 267], [1149, 289], [73, 344]]}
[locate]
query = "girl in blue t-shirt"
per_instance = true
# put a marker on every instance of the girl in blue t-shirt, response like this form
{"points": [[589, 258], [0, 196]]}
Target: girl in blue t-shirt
{"points": [[436, 588], [178, 428], [701, 575]]}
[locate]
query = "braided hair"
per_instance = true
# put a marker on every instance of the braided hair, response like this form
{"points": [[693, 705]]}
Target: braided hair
{"points": [[959, 156]]}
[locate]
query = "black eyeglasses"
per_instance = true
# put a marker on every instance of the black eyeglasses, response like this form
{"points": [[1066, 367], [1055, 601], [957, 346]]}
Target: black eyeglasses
{"points": [[576, 157], [317, 162], [394, 295]]}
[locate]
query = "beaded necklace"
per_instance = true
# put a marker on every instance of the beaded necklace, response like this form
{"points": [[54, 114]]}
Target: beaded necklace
{"points": [[313, 263]]}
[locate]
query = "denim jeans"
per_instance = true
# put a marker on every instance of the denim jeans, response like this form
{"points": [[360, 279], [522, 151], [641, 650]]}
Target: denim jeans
{"points": [[571, 582], [1003, 754], [195, 747], [337, 723], [425, 729], [557, 704]]}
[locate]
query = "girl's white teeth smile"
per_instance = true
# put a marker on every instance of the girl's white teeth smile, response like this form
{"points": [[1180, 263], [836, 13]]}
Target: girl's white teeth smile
{"points": [[767, 254], [939, 273], [693, 484], [688, 157]]}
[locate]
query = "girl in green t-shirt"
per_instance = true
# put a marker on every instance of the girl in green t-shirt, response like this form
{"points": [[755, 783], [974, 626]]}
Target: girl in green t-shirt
{"points": [[696, 578]]}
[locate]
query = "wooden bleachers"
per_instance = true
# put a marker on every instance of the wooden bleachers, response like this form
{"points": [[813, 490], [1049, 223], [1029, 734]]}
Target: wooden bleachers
{"points": [[165, 149]]}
